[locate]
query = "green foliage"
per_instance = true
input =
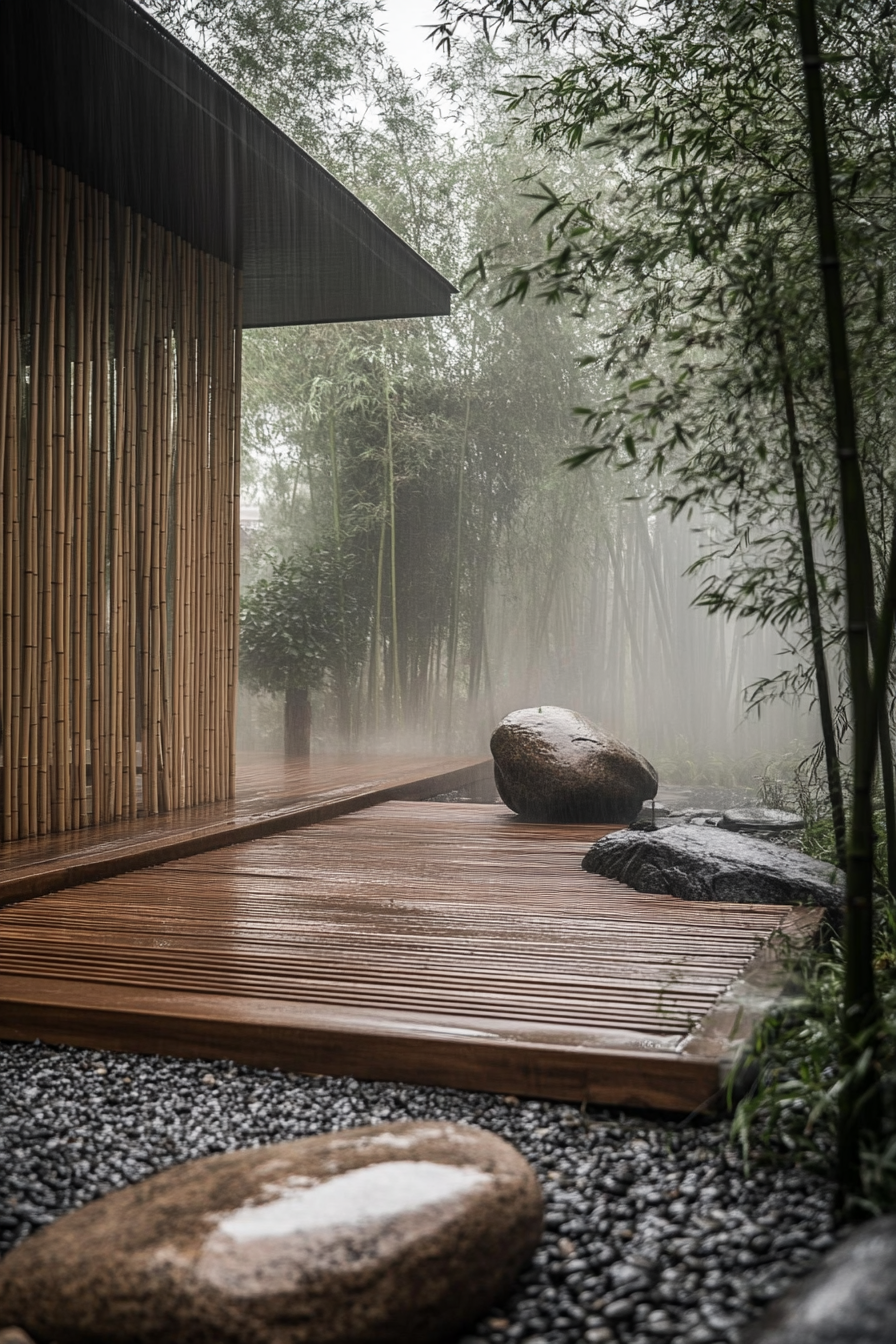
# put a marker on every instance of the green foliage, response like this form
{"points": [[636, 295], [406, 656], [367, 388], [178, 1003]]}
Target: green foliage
{"points": [[696, 257], [299, 624], [682, 765], [300, 63], [793, 1108]]}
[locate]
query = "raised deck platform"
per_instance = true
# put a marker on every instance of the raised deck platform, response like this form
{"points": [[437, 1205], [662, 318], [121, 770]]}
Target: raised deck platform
{"points": [[272, 795], [435, 943]]}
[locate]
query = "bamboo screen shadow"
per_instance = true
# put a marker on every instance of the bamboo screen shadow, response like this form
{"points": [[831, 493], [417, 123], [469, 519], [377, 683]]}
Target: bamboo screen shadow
{"points": [[119, 415]]}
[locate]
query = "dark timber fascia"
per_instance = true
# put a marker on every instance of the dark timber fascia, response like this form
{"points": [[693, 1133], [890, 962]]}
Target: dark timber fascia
{"points": [[99, 87]]}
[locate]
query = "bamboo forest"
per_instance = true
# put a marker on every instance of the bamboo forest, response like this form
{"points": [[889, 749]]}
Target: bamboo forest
{"points": [[409, 475]]}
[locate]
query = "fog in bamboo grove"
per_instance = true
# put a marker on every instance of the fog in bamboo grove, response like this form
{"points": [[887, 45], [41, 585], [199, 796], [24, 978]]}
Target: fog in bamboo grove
{"points": [[416, 557]]}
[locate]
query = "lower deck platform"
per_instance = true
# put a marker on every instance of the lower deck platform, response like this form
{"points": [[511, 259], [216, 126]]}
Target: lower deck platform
{"points": [[427, 942]]}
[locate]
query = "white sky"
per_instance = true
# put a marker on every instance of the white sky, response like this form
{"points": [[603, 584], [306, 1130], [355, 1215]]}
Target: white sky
{"points": [[405, 24]]}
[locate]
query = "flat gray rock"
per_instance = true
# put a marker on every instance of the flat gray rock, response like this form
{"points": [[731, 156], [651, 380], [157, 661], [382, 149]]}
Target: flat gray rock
{"points": [[554, 765], [760, 819], [376, 1235], [703, 863], [849, 1299]]}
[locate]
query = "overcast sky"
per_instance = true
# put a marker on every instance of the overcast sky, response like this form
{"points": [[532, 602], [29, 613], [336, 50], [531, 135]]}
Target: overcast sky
{"points": [[405, 24]]}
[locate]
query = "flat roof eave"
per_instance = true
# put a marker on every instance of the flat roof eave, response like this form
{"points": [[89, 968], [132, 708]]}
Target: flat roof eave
{"points": [[100, 88]]}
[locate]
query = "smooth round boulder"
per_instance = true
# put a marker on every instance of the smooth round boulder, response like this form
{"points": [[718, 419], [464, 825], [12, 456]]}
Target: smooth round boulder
{"points": [[553, 765], [367, 1236]]}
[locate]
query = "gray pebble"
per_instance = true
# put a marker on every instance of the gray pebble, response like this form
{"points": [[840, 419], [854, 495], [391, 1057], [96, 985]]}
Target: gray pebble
{"points": [[653, 1229]]}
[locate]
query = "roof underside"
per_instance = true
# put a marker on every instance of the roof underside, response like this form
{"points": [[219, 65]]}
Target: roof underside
{"points": [[98, 87]]}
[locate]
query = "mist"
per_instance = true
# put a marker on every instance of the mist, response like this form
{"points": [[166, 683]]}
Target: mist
{"points": [[404, 493]]}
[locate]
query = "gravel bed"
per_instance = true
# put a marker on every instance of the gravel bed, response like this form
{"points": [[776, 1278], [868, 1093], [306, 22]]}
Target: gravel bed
{"points": [[653, 1229]]}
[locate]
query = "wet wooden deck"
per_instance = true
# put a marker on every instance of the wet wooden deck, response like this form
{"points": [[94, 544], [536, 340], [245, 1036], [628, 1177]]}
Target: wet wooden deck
{"points": [[429, 942], [272, 794]]}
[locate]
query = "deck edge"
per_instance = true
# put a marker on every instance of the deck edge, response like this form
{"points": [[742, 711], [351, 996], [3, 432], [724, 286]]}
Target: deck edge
{"points": [[658, 1081]]}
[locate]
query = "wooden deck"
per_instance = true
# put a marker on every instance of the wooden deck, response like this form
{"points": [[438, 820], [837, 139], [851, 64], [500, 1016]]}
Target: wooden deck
{"points": [[272, 795], [429, 942]]}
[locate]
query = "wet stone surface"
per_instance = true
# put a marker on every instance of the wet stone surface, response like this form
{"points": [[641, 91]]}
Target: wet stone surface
{"points": [[706, 864], [761, 819], [554, 765], [323, 1240], [653, 1230], [850, 1296]]}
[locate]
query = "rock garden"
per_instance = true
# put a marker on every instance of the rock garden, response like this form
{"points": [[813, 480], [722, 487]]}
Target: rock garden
{"points": [[153, 1199], [653, 1228]]}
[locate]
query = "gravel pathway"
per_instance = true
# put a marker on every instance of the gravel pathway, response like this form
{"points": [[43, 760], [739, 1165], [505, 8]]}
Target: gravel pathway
{"points": [[653, 1230]]}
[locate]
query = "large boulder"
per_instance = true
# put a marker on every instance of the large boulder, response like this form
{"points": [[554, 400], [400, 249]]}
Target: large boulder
{"points": [[701, 863], [381, 1234], [551, 764], [849, 1299]]}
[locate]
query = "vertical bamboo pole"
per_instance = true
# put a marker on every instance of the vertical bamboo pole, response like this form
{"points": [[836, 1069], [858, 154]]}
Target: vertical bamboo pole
{"points": [[224, 540], [143, 356], [8, 500], [152, 739], [202, 519], [12, 535], [77, 533], [214, 434], [46, 464], [59, 495], [123, 253], [234, 526], [189, 291], [100, 722], [162, 506], [29, 782], [178, 549], [130, 529], [7, 506]]}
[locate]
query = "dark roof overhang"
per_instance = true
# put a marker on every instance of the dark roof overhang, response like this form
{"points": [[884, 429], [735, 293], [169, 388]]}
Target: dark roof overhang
{"points": [[100, 88]]}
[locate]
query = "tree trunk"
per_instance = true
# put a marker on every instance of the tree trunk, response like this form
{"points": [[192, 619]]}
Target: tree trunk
{"points": [[860, 1008], [813, 607], [297, 723]]}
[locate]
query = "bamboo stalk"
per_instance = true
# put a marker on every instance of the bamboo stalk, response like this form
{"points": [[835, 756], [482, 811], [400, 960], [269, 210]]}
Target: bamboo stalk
{"points": [[131, 495], [235, 521], [7, 503], [101, 721], [178, 587], [202, 696], [861, 1008], [213, 311], [396, 705], [190, 683], [12, 538], [77, 533], [160, 590], [116, 563], [46, 575], [144, 521], [60, 495]]}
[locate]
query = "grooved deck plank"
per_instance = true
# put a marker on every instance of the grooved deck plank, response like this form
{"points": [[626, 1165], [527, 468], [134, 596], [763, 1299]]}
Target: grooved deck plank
{"points": [[436, 943]]}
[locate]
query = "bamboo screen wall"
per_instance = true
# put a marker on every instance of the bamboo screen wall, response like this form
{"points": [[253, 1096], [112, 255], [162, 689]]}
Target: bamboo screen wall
{"points": [[119, 413]]}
